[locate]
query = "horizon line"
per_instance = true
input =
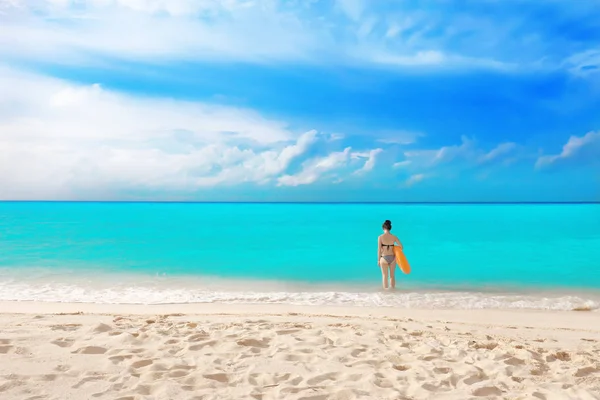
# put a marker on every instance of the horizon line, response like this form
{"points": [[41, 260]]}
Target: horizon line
{"points": [[301, 202]]}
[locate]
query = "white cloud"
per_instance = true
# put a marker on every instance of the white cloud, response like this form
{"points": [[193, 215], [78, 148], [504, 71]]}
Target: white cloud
{"points": [[401, 164], [432, 157], [467, 151], [371, 159], [335, 136], [422, 57], [156, 31], [448, 160], [449, 153], [314, 169], [58, 140], [330, 166], [413, 179], [500, 150], [575, 146]]}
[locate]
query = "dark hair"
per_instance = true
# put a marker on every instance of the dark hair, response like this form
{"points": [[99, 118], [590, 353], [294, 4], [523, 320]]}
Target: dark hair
{"points": [[387, 225]]}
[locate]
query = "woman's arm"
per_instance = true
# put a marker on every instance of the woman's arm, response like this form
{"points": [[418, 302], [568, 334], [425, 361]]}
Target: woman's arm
{"points": [[378, 249], [399, 242]]}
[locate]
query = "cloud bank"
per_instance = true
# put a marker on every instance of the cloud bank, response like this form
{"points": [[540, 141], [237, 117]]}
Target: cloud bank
{"points": [[61, 140], [350, 32]]}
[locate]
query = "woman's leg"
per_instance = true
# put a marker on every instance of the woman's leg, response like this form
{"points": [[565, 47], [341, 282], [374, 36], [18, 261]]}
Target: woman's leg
{"points": [[384, 273], [392, 269]]}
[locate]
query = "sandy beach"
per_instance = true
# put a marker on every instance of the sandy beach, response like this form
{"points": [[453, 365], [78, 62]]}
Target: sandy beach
{"points": [[209, 351]]}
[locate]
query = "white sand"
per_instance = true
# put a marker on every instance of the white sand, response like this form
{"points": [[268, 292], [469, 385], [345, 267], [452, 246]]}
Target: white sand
{"points": [[286, 352]]}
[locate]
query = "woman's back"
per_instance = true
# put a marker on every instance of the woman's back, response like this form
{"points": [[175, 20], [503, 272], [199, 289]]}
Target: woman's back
{"points": [[386, 241]]}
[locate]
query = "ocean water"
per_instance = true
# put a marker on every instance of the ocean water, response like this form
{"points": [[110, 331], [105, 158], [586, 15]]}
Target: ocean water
{"points": [[536, 256]]}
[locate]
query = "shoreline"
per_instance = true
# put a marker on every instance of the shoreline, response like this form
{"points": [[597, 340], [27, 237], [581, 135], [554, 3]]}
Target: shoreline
{"points": [[215, 351], [129, 289], [574, 320]]}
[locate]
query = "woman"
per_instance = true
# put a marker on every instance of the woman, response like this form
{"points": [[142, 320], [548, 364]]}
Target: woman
{"points": [[385, 254]]}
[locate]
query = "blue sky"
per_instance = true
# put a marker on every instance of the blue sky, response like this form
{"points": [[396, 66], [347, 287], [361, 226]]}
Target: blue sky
{"points": [[313, 100]]}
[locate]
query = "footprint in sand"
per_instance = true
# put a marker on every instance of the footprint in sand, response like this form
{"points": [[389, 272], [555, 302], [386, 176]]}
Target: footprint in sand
{"points": [[65, 327], [372, 362], [291, 357], [197, 337], [87, 380], [480, 377], [153, 376], [183, 366], [559, 355], [158, 367], [118, 359], [514, 361], [487, 391], [199, 346], [144, 390], [315, 397], [91, 350], [486, 346], [141, 364], [381, 381], [296, 381], [331, 376], [357, 352], [178, 373], [48, 377], [582, 372], [63, 342], [8, 385], [287, 331], [5, 349], [174, 351], [442, 386], [345, 394], [103, 328], [219, 377], [263, 343], [268, 380]]}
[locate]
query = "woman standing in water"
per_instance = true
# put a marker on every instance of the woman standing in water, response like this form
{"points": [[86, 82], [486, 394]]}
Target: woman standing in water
{"points": [[385, 254]]}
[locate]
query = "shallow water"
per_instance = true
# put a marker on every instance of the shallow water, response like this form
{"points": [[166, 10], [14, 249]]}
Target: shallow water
{"points": [[544, 256]]}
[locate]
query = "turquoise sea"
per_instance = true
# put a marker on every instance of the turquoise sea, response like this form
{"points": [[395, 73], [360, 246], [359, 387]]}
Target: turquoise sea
{"points": [[540, 256]]}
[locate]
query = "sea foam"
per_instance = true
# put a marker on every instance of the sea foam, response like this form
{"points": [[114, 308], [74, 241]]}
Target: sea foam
{"points": [[399, 298]]}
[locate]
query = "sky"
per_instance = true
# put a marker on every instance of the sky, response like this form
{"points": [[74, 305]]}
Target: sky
{"points": [[314, 100]]}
